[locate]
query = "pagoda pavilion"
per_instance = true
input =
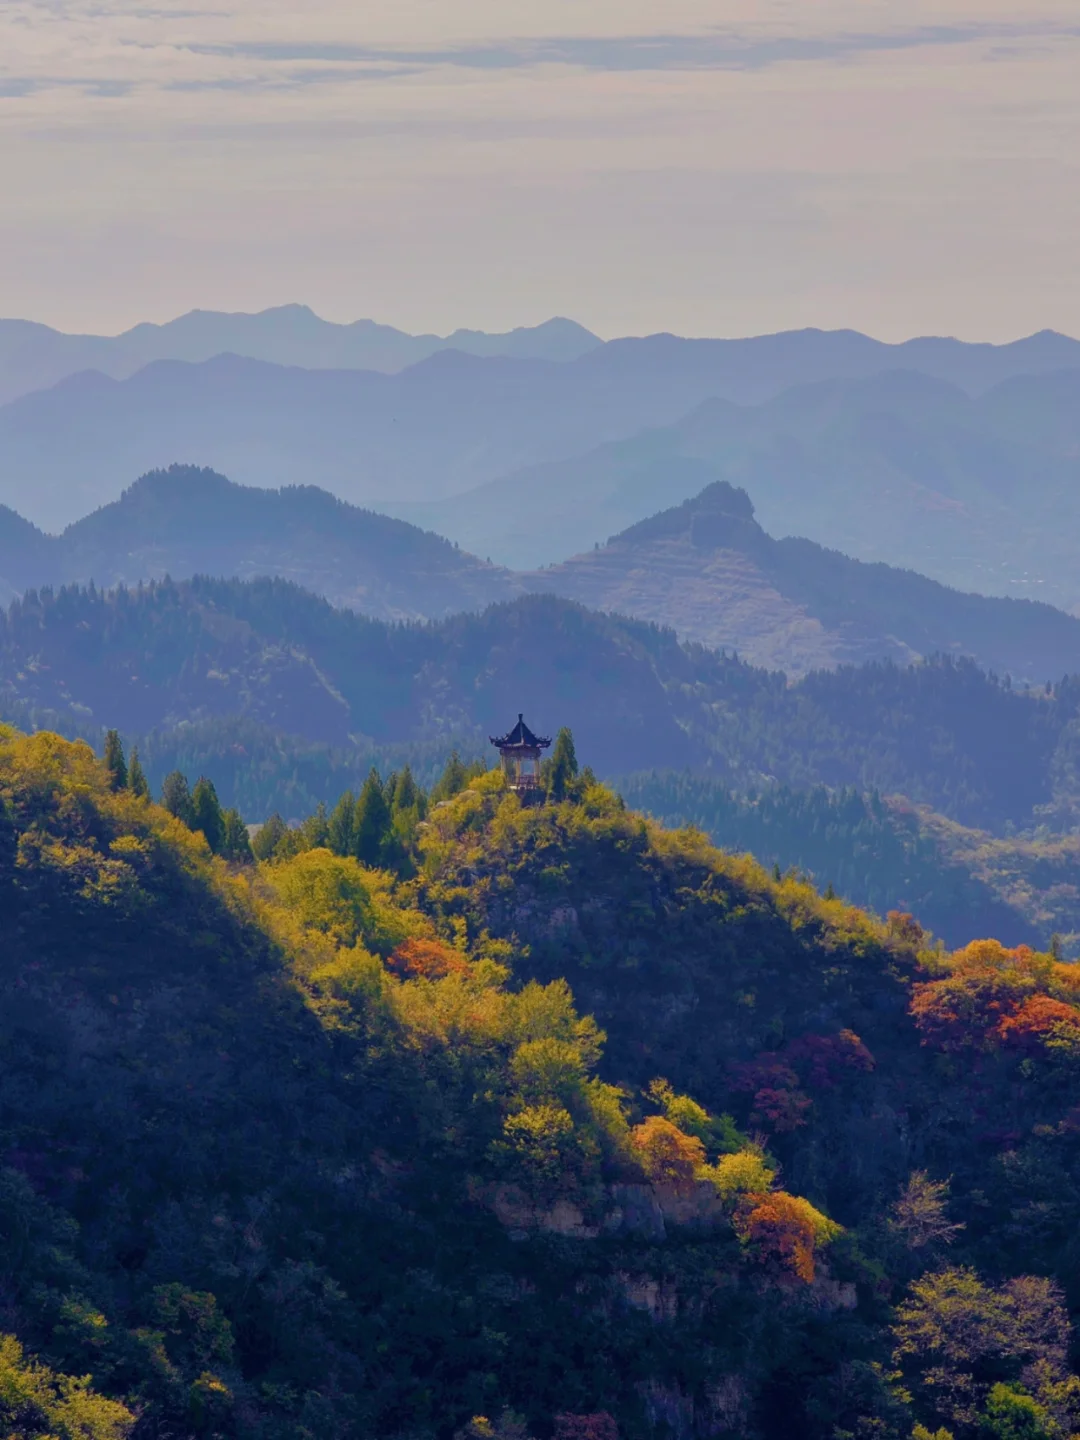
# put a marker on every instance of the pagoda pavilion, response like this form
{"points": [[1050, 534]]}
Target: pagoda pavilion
{"points": [[521, 751]]}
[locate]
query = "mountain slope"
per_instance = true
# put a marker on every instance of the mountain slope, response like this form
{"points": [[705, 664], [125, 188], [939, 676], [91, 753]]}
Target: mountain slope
{"points": [[707, 569], [184, 522]]}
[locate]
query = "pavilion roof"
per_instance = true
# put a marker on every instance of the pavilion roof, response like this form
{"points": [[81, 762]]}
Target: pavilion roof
{"points": [[520, 738]]}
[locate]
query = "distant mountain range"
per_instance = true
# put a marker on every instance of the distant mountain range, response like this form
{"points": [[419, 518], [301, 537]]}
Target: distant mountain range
{"points": [[526, 460], [34, 357], [455, 421], [706, 569], [979, 492]]}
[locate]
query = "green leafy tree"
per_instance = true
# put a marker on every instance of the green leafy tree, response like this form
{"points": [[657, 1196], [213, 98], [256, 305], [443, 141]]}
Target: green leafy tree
{"points": [[137, 781], [206, 813], [562, 767], [235, 841], [115, 764], [176, 797], [371, 829], [340, 829], [1011, 1414]]}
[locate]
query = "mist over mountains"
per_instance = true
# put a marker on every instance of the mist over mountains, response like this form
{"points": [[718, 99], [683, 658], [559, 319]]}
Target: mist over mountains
{"points": [[527, 461], [33, 357], [980, 492]]}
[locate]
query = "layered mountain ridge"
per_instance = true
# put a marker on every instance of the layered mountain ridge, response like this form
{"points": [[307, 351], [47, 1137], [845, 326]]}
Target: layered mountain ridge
{"points": [[34, 357], [705, 568]]}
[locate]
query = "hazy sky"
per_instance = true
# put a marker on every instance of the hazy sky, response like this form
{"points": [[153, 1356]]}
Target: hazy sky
{"points": [[705, 166]]}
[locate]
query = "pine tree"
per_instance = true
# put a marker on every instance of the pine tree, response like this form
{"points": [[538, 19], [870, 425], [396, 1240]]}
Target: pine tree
{"points": [[371, 828], [316, 829], [207, 815], [137, 782], [340, 827], [235, 843], [407, 794], [176, 797], [115, 764], [452, 781], [562, 768], [269, 837]]}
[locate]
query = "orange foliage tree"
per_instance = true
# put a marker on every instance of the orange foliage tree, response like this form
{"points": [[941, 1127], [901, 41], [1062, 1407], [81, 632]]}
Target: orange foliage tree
{"points": [[985, 984], [1042, 1023], [992, 996], [418, 959], [667, 1156], [784, 1230]]}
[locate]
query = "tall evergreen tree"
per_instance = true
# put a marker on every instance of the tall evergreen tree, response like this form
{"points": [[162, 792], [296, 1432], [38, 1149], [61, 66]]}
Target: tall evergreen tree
{"points": [[407, 794], [269, 837], [115, 763], [340, 827], [371, 829], [316, 829], [235, 842], [452, 781], [562, 768], [206, 813], [137, 782], [176, 797]]}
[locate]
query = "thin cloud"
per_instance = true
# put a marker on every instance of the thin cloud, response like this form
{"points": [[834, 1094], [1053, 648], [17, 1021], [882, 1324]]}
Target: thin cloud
{"points": [[709, 51]]}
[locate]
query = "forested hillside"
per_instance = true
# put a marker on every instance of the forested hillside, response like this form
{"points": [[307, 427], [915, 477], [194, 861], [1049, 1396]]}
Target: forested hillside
{"points": [[185, 521], [298, 1147], [217, 653], [887, 854], [704, 568]]}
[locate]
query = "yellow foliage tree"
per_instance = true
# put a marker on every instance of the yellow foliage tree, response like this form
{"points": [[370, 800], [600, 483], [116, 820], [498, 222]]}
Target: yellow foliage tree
{"points": [[744, 1173], [36, 1403]]}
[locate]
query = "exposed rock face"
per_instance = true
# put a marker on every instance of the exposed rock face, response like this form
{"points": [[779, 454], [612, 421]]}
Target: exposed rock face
{"points": [[643, 1210], [644, 1292]]}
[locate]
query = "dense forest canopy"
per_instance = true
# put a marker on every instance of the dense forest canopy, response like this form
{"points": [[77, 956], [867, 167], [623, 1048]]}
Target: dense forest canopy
{"points": [[448, 1115]]}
